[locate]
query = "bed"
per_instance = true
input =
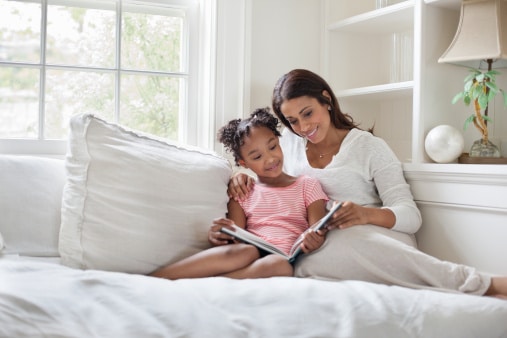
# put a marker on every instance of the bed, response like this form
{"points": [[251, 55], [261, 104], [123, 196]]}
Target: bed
{"points": [[81, 233]]}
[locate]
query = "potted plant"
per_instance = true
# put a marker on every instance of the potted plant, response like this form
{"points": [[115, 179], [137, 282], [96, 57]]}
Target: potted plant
{"points": [[480, 89]]}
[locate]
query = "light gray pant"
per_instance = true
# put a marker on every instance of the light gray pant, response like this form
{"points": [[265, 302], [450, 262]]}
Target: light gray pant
{"points": [[378, 255]]}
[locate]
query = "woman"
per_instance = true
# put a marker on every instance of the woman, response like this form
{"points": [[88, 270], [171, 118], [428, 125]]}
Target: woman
{"points": [[374, 241]]}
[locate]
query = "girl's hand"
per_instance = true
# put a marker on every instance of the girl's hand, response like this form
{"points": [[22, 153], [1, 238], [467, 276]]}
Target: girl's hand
{"points": [[313, 240], [215, 236], [240, 186], [348, 215]]}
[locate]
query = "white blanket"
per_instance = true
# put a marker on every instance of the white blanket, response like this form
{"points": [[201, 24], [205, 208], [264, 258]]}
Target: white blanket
{"points": [[48, 300]]}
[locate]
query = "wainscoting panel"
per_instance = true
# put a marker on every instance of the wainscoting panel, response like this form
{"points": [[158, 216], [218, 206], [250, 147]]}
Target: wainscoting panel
{"points": [[464, 215]]}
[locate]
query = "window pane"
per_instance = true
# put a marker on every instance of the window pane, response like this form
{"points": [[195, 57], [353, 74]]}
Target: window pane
{"points": [[19, 102], [151, 104], [72, 92], [80, 36], [20, 31], [151, 42]]}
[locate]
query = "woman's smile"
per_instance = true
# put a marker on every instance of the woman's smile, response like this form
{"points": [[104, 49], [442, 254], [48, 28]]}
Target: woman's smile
{"points": [[311, 135]]}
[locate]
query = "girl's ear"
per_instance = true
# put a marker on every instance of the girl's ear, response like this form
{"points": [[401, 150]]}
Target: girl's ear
{"points": [[243, 164]]}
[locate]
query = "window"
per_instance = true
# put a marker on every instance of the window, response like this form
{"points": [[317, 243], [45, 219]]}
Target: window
{"points": [[132, 62]]}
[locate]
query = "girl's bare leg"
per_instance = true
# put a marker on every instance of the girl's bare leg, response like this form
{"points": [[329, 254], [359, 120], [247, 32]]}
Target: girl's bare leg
{"points": [[268, 266], [212, 262]]}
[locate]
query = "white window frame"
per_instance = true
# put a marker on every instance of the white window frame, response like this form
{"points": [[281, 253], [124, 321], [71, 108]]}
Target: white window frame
{"points": [[197, 126]]}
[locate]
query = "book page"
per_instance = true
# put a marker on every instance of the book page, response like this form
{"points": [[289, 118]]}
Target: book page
{"points": [[248, 237]]}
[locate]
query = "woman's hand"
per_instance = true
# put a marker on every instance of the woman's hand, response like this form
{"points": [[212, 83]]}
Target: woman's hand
{"points": [[239, 186], [313, 240], [351, 214], [348, 215], [215, 236]]}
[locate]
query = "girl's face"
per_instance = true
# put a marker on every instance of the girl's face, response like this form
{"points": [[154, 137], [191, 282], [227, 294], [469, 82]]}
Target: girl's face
{"points": [[261, 153], [308, 117]]}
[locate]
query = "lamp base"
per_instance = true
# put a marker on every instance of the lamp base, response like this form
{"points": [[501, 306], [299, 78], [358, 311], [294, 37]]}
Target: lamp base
{"points": [[480, 149]]}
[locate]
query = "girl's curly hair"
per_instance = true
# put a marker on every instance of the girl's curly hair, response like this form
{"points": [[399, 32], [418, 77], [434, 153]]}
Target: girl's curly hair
{"points": [[233, 133]]}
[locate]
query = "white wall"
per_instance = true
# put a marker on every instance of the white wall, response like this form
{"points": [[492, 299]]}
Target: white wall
{"points": [[257, 42], [283, 34]]}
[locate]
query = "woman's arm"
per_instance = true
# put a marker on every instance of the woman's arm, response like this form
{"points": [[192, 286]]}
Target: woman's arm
{"points": [[397, 197], [372, 186]]}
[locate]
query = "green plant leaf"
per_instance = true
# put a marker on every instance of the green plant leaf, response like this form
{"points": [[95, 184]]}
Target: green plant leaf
{"points": [[479, 87], [469, 120], [491, 95], [504, 96], [477, 92], [469, 78], [483, 101], [457, 97], [492, 87], [468, 85], [492, 73]]}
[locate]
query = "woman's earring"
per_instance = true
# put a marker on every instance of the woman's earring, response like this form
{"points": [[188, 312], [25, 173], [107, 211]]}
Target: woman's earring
{"points": [[329, 108]]}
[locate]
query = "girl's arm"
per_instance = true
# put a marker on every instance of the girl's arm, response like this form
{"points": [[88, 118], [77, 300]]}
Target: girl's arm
{"points": [[235, 215], [314, 240]]}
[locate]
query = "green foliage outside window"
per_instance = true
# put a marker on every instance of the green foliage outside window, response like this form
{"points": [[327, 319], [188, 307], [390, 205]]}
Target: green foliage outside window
{"points": [[81, 73]]}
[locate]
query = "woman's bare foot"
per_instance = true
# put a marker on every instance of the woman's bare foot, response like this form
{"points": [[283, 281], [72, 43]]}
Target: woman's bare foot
{"points": [[498, 287]]}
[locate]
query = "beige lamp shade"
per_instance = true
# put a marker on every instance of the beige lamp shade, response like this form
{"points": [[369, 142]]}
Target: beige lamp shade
{"points": [[481, 34]]}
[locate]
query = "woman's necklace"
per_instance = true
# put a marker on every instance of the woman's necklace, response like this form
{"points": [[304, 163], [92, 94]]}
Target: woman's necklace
{"points": [[321, 155]]}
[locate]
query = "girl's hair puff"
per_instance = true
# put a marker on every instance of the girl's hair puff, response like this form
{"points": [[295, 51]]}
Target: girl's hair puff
{"points": [[233, 133]]}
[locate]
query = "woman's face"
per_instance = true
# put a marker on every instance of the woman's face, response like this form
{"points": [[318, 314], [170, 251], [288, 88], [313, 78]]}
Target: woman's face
{"points": [[308, 117], [261, 152]]}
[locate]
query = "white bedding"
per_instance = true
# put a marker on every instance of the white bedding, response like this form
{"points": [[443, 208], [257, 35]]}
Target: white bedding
{"points": [[39, 299]]}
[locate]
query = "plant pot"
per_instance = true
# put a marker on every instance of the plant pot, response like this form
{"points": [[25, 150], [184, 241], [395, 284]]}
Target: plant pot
{"points": [[481, 149]]}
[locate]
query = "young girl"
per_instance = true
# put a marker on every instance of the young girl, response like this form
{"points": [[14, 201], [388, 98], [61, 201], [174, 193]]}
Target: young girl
{"points": [[279, 209]]}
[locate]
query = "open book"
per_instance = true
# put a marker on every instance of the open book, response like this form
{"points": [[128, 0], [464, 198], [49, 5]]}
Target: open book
{"points": [[295, 251]]}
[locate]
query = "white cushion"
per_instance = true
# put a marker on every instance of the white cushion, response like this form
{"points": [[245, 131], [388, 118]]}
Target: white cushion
{"points": [[134, 202], [30, 202]]}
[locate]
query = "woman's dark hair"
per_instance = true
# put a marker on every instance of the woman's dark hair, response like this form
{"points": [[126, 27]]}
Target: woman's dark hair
{"points": [[233, 133], [302, 82]]}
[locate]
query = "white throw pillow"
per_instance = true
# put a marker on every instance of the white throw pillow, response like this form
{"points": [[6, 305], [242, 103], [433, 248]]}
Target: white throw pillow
{"points": [[30, 202], [134, 202]]}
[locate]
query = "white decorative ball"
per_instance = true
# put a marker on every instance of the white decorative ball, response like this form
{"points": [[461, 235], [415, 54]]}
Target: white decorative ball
{"points": [[444, 144]]}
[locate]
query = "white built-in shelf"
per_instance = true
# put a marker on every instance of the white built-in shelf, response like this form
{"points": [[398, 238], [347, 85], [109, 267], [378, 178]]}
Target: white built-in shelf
{"points": [[452, 4], [365, 34], [393, 18], [493, 176], [384, 91], [458, 169]]}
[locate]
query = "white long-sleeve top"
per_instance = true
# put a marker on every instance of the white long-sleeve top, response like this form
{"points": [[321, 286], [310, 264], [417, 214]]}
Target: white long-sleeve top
{"points": [[365, 171]]}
